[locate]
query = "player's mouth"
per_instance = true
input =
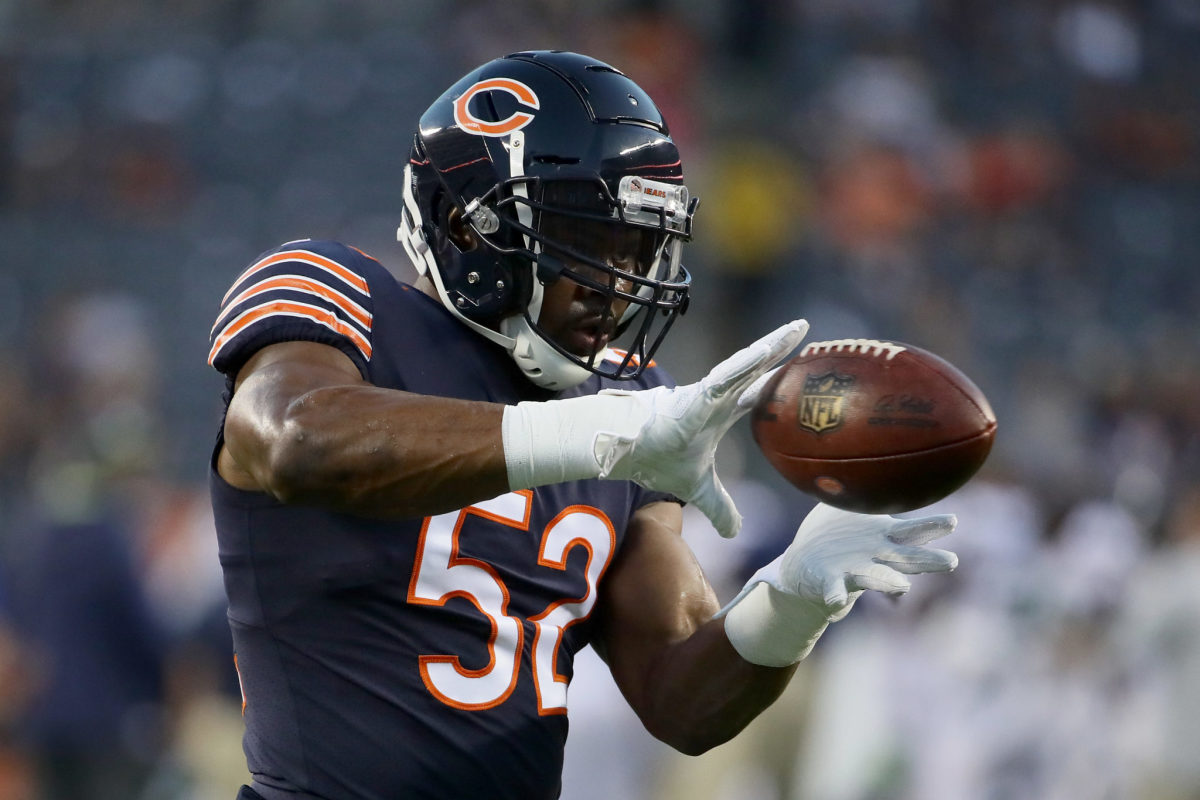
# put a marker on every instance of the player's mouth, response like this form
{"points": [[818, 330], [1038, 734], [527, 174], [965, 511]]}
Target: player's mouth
{"points": [[590, 334]]}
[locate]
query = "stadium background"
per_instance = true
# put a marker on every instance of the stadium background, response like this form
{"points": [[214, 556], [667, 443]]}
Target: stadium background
{"points": [[1013, 185]]}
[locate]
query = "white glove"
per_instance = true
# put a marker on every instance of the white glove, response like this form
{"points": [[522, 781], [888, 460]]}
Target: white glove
{"points": [[785, 607], [664, 439]]}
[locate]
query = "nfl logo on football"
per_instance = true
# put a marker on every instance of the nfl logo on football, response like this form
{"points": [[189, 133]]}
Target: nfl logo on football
{"points": [[821, 404]]}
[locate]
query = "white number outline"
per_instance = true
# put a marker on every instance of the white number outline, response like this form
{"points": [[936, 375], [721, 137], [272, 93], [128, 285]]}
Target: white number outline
{"points": [[440, 573], [550, 686]]}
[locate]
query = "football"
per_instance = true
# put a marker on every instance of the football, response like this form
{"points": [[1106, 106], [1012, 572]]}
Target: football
{"points": [[870, 426]]}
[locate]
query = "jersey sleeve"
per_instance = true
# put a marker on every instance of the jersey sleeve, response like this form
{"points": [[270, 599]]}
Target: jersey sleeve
{"points": [[308, 290]]}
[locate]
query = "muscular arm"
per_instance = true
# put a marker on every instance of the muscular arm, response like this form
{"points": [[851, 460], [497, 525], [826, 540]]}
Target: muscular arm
{"points": [[305, 427], [671, 660]]}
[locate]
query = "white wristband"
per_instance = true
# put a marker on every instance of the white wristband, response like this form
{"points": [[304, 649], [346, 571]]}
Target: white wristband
{"points": [[554, 441], [772, 628]]}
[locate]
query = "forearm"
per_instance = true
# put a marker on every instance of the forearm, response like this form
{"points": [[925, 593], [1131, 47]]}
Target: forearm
{"points": [[373, 451], [668, 653], [701, 693], [711, 684]]}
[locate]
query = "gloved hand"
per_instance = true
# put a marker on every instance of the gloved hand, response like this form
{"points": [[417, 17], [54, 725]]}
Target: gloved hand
{"points": [[837, 555], [675, 448], [664, 439]]}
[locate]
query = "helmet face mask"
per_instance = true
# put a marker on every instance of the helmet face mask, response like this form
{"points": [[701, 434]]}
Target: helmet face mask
{"points": [[634, 271], [565, 171]]}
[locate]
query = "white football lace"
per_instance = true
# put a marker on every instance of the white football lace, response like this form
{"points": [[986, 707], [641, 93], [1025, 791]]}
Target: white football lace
{"points": [[869, 346]]}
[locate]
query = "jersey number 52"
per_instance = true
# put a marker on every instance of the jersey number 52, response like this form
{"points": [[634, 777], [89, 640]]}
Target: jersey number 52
{"points": [[441, 573]]}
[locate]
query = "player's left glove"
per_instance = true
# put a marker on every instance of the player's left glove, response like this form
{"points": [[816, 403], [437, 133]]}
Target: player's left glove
{"points": [[662, 438], [837, 555], [675, 449]]}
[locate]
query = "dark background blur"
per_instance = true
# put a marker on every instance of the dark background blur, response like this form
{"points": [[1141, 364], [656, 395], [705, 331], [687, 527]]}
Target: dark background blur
{"points": [[1011, 185]]}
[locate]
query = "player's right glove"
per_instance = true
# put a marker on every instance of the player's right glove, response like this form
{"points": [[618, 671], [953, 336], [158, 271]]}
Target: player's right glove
{"points": [[785, 607], [663, 438]]}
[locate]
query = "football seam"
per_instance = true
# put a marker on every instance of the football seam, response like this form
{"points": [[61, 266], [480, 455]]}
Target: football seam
{"points": [[989, 430], [950, 381]]}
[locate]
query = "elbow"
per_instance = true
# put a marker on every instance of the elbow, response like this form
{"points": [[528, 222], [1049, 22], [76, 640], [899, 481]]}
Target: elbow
{"points": [[693, 741], [699, 747], [696, 746], [702, 719], [301, 450], [289, 468], [694, 731], [297, 460]]}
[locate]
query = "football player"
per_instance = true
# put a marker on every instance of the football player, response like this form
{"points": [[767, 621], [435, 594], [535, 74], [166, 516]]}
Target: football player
{"points": [[430, 497]]}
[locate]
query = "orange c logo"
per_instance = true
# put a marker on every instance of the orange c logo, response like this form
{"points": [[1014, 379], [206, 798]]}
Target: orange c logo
{"points": [[472, 124]]}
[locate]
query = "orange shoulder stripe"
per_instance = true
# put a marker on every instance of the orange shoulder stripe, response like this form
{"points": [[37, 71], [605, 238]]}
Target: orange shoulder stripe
{"points": [[303, 284], [286, 308], [349, 276]]}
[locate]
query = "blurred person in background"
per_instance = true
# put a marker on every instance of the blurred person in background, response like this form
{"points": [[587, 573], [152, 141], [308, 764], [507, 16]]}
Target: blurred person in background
{"points": [[18, 666], [92, 718], [115, 669], [429, 497], [17, 686], [1156, 637]]}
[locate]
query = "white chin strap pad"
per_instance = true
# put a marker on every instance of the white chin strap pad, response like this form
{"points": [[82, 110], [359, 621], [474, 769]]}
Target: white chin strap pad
{"points": [[540, 363]]}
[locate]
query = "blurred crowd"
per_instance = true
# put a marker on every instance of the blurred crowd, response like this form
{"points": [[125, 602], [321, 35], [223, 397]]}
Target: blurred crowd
{"points": [[1015, 186]]}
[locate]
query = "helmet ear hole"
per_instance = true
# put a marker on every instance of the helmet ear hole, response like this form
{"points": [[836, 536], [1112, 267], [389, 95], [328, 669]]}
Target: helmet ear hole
{"points": [[459, 231]]}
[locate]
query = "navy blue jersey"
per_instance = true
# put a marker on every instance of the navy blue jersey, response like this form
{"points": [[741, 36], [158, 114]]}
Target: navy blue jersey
{"points": [[404, 658]]}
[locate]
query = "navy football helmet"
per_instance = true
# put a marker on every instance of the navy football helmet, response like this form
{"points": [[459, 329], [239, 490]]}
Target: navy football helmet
{"points": [[551, 159]]}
